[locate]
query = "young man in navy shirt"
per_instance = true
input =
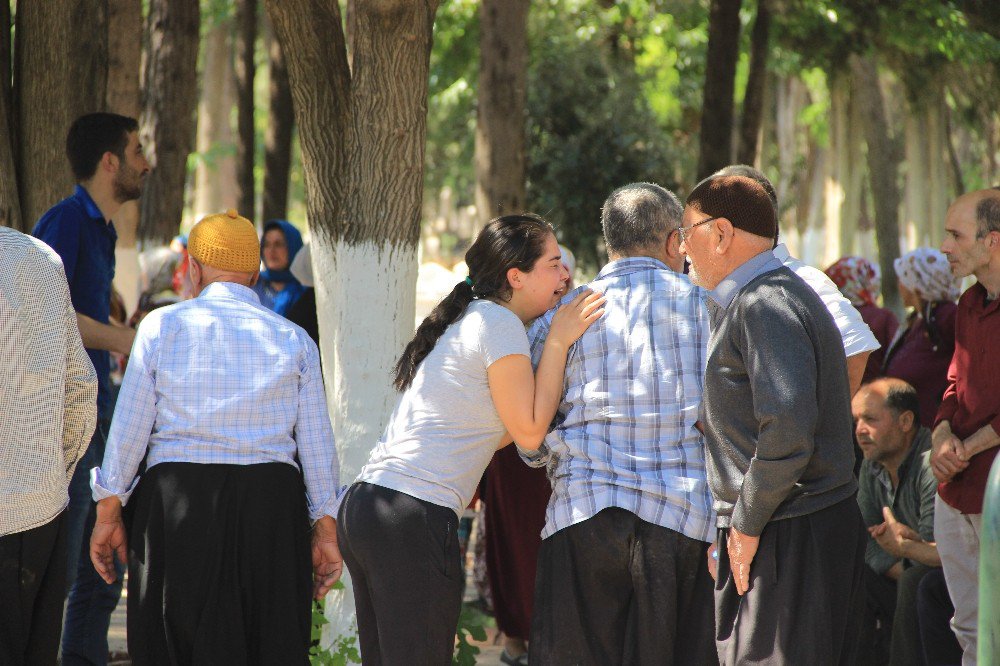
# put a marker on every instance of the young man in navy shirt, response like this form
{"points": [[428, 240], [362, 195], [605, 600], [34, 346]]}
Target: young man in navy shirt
{"points": [[109, 166]]}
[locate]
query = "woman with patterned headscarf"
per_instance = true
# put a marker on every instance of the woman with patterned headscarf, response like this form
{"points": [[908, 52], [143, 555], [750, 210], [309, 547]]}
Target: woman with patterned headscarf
{"points": [[859, 281], [922, 349]]}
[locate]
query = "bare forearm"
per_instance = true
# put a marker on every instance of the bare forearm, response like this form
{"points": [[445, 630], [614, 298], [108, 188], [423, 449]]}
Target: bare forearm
{"points": [[924, 552], [548, 391], [104, 336], [856, 370], [981, 440]]}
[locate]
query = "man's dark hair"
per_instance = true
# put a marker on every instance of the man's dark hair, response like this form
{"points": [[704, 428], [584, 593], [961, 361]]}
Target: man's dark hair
{"points": [[987, 215], [901, 397], [94, 134], [639, 216]]}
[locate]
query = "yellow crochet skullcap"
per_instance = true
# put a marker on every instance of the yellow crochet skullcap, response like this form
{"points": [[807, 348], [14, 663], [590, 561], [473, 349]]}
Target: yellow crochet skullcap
{"points": [[225, 241]]}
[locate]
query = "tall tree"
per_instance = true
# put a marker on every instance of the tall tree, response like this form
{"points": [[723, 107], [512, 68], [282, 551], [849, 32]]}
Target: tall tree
{"points": [[246, 140], [170, 95], [60, 73], [124, 58], [216, 186], [500, 117], [753, 98], [883, 173], [10, 206], [720, 78], [278, 136], [362, 131]]}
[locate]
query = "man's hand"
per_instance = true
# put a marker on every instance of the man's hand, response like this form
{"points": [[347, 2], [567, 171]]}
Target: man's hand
{"points": [[893, 536], [713, 560], [742, 549], [108, 539], [326, 559], [946, 460]]}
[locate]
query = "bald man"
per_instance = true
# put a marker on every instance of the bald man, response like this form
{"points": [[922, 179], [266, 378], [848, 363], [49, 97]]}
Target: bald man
{"points": [[965, 437], [896, 496]]}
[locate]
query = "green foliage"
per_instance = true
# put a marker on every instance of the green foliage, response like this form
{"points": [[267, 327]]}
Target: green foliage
{"points": [[345, 648], [472, 623], [591, 127]]}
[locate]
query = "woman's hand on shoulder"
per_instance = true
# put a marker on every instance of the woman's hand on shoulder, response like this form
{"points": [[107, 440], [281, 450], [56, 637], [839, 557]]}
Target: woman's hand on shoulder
{"points": [[572, 319]]}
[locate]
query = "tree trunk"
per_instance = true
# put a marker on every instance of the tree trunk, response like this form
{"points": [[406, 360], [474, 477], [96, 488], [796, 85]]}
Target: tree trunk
{"points": [[753, 99], [124, 56], [216, 184], [500, 140], [10, 206], [715, 140], [883, 170], [60, 73], [362, 139], [170, 96], [277, 136], [246, 41]]}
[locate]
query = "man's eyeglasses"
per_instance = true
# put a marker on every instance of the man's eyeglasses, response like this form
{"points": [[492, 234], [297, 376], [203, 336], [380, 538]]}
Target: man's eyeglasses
{"points": [[684, 231]]}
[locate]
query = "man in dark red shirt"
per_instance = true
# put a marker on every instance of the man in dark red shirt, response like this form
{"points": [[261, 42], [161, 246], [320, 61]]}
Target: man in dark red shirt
{"points": [[965, 438]]}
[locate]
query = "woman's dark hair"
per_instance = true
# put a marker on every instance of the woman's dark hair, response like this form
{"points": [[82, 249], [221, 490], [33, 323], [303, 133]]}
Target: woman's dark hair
{"points": [[510, 241]]}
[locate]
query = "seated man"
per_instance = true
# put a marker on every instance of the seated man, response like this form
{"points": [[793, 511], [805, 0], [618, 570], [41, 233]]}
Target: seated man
{"points": [[896, 495], [224, 400]]}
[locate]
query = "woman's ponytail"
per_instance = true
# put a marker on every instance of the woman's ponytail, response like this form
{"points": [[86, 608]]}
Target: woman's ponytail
{"points": [[431, 328]]}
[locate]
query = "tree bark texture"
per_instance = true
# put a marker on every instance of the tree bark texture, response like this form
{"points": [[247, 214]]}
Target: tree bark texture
{"points": [[60, 73], [124, 57], [10, 206], [216, 186], [170, 96], [753, 99], [715, 141], [6, 70], [362, 133], [883, 170], [277, 136], [500, 152], [246, 40]]}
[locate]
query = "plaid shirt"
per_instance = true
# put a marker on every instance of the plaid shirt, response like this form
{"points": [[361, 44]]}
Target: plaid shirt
{"points": [[222, 379], [624, 434]]}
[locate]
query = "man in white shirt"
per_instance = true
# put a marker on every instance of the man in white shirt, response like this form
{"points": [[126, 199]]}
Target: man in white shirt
{"points": [[48, 389]]}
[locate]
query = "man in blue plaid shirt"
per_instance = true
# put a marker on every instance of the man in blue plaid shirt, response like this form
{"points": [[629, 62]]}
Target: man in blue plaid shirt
{"points": [[621, 572]]}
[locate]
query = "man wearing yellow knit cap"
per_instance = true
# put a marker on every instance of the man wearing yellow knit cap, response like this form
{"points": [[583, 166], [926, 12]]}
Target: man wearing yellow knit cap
{"points": [[222, 450]]}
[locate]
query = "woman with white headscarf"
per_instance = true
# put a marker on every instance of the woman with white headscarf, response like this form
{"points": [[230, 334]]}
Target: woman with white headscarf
{"points": [[921, 350]]}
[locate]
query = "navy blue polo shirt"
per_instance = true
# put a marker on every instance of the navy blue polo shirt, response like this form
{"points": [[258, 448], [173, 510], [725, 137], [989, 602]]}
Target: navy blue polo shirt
{"points": [[78, 232]]}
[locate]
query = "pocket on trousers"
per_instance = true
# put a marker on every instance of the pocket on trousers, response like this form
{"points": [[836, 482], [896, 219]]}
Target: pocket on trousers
{"points": [[442, 540]]}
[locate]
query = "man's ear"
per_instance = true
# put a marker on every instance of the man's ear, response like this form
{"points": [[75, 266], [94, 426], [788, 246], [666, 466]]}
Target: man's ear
{"points": [[255, 277], [906, 420], [724, 233], [109, 162]]}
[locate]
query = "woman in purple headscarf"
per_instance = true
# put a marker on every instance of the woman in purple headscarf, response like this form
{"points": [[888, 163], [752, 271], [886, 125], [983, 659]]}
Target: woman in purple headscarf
{"points": [[859, 281], [921, 351]]}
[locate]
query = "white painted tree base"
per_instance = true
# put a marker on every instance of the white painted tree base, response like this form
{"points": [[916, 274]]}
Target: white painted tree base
{"points": [[365, 296]]}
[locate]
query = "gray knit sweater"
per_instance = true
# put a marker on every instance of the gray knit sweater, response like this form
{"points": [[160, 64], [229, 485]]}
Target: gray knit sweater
{"points": [[777, 405]]}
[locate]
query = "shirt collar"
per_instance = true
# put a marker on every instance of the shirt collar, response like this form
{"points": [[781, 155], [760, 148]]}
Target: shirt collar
{"points": [[980, 304], [627, 265], [726, 290], [88, 203], [781, 252], [231, 290]]}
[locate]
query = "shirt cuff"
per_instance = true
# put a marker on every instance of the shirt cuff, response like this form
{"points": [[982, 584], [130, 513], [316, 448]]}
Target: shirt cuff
{"points": [[100, 490], [329, 508], [536, 458]]}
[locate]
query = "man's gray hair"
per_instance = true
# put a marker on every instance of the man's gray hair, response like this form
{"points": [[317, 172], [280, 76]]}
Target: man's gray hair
{"points": [[988, 215], [639, 216]]}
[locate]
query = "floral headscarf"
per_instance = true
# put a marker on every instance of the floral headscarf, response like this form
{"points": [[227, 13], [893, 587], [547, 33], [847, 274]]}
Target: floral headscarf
{"points": [[925, 271], [857, 278]]}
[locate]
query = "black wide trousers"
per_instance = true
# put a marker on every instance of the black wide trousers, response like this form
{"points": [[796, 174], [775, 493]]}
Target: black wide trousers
{"points": [[806, 597], [219, 565]]}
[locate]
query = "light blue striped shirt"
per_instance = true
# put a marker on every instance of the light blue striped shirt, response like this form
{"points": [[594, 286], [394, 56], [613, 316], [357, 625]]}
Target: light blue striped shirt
{"points": [[222, 379], [625, 434]]}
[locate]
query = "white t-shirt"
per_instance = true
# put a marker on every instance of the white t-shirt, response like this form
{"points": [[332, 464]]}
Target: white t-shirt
{"points": [[854, 331], [445, 429]]}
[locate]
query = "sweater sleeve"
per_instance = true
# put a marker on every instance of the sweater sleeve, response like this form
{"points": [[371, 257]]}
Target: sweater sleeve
{"points": [[781, 365]]}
